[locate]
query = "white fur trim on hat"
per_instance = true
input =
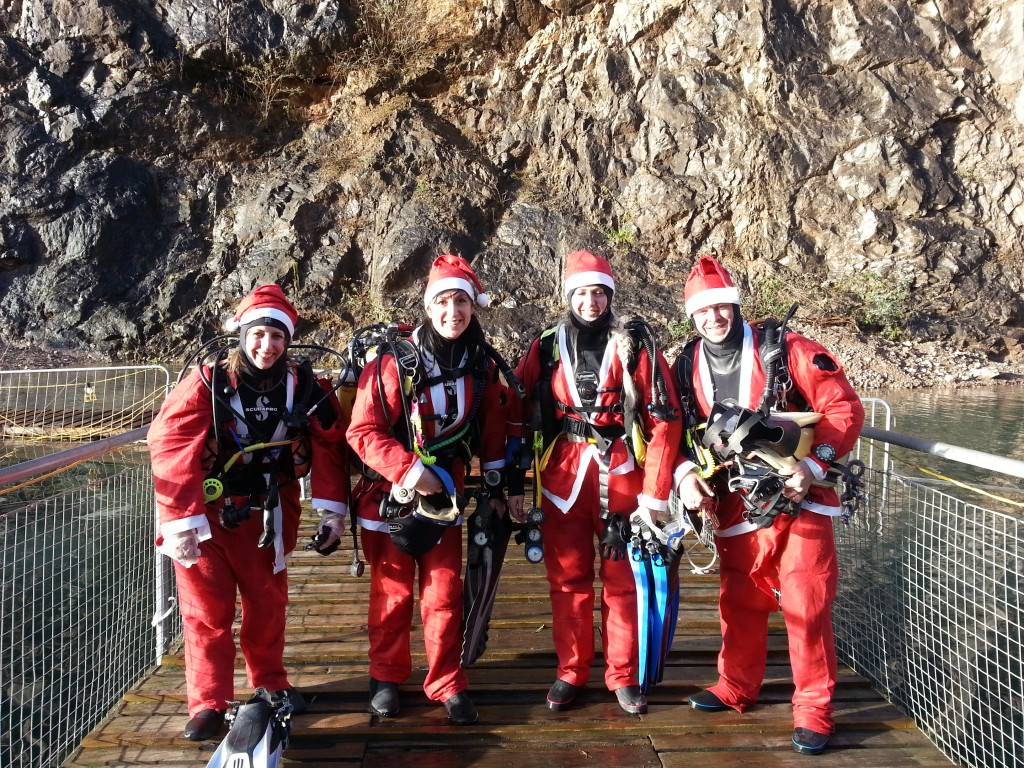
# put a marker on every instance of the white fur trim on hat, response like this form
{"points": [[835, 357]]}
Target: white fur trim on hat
{"points": [[454, 284], [726, 295], [256, 313], [581, 279]]}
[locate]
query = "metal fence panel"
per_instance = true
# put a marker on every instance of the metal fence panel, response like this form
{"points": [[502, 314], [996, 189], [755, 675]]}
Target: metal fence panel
{"points": [[42, 408], [75, 607], [929, 610]]}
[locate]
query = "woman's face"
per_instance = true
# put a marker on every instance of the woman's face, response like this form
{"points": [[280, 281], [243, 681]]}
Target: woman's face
{"points": [[264, 345], [589, 302], [450, 313]]}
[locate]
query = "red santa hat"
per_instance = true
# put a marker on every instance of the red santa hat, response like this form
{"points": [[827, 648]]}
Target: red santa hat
{"points": [[584, 268], [267, 303], [450, 273], [709, 283]]}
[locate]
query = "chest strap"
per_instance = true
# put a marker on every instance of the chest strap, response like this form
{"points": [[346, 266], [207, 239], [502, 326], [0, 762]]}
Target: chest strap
{"points": [[565, 408]]}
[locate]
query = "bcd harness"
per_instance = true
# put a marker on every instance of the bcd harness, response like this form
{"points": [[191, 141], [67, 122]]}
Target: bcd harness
{"points": [[416, 523], [577, 419], [743, 437], [255, 462], [552, 419]]}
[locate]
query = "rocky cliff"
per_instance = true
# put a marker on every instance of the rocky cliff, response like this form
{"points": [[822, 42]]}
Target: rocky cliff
{"points": [[161, 157]]}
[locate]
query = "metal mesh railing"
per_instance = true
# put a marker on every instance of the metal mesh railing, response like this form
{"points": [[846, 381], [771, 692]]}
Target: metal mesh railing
{"points": [[929, 610], [41, 408], [76, 605]]}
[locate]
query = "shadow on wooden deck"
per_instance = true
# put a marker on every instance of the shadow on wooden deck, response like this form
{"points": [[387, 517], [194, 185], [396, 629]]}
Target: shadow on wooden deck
{"points": [[327, 660]]}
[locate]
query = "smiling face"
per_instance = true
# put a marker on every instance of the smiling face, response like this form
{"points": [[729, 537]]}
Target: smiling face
{"points": [[714, 322], [450, 312], [589, 302], [264, 345]]}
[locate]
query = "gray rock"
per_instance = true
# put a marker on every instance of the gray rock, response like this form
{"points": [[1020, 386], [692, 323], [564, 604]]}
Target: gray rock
{"points": [[160, 158]]}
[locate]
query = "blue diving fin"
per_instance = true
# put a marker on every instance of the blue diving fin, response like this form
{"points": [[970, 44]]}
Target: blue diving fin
{"points": [[258, 734], [659, 611], [641, 576], [655, 571]]}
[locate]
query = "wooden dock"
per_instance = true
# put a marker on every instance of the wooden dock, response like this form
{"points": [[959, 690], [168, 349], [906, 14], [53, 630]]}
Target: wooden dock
{"points": [[327, 658]]}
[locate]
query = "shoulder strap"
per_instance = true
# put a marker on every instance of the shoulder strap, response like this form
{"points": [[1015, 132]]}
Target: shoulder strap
{"points": [[544, 420], [549, 352], [222, 388], [771, 348], [683, 370]]}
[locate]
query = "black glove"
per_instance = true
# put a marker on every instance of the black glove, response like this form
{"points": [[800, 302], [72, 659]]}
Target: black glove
{"points": [[615, 537], [327, 539]]}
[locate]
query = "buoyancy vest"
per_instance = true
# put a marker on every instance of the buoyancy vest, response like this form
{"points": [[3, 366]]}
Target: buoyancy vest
{"points": [[232, 451], [552, 416]]}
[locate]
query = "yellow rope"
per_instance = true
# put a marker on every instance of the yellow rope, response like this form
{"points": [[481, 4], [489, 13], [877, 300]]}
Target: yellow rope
{"points": [[971, 488], [34, 480]]}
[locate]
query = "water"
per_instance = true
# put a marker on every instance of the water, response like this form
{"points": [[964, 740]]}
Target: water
{"points": [[989, 419]]}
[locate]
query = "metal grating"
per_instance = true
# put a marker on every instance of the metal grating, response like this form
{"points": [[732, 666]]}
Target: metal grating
{"points": [[76, 606], [929, 610]]}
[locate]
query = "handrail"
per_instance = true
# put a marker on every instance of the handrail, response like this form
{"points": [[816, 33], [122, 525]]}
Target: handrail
{"points": [[26, 469], [989, 461]]}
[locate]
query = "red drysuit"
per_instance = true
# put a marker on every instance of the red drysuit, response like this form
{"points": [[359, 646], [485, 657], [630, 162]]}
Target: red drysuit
{"points": [[795, 555], [571, 502], [392, 571], [183, 450]]}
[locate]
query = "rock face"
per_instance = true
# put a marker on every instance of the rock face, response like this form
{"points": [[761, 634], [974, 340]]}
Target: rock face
{"points": [[162, 157]]}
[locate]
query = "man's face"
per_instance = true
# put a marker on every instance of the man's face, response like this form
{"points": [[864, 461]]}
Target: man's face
{"points": [[714, 322]]}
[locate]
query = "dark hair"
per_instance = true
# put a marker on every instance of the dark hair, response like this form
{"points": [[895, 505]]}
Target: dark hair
{"points": [[238, 365]]}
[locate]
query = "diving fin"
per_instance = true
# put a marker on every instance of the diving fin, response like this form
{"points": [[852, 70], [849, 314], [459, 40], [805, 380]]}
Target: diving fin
{"points": [[643, 624], [258, 734], [670, 617], [658, 613], [655, 571], [488, 538]]}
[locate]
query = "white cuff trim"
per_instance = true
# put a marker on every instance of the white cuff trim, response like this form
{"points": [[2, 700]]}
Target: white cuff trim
{"points": [[330, 506], [815, 467], [413, 475], [199, 523], [658, 505], [680, 472]]}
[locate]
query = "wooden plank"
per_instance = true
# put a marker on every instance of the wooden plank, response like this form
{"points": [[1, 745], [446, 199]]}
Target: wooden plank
{"points": [[786, 757], [327, 659], [847, 736], [636, 754]]}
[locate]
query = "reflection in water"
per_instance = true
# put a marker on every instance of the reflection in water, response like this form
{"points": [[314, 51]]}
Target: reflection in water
{"points": [[989, 419]]}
